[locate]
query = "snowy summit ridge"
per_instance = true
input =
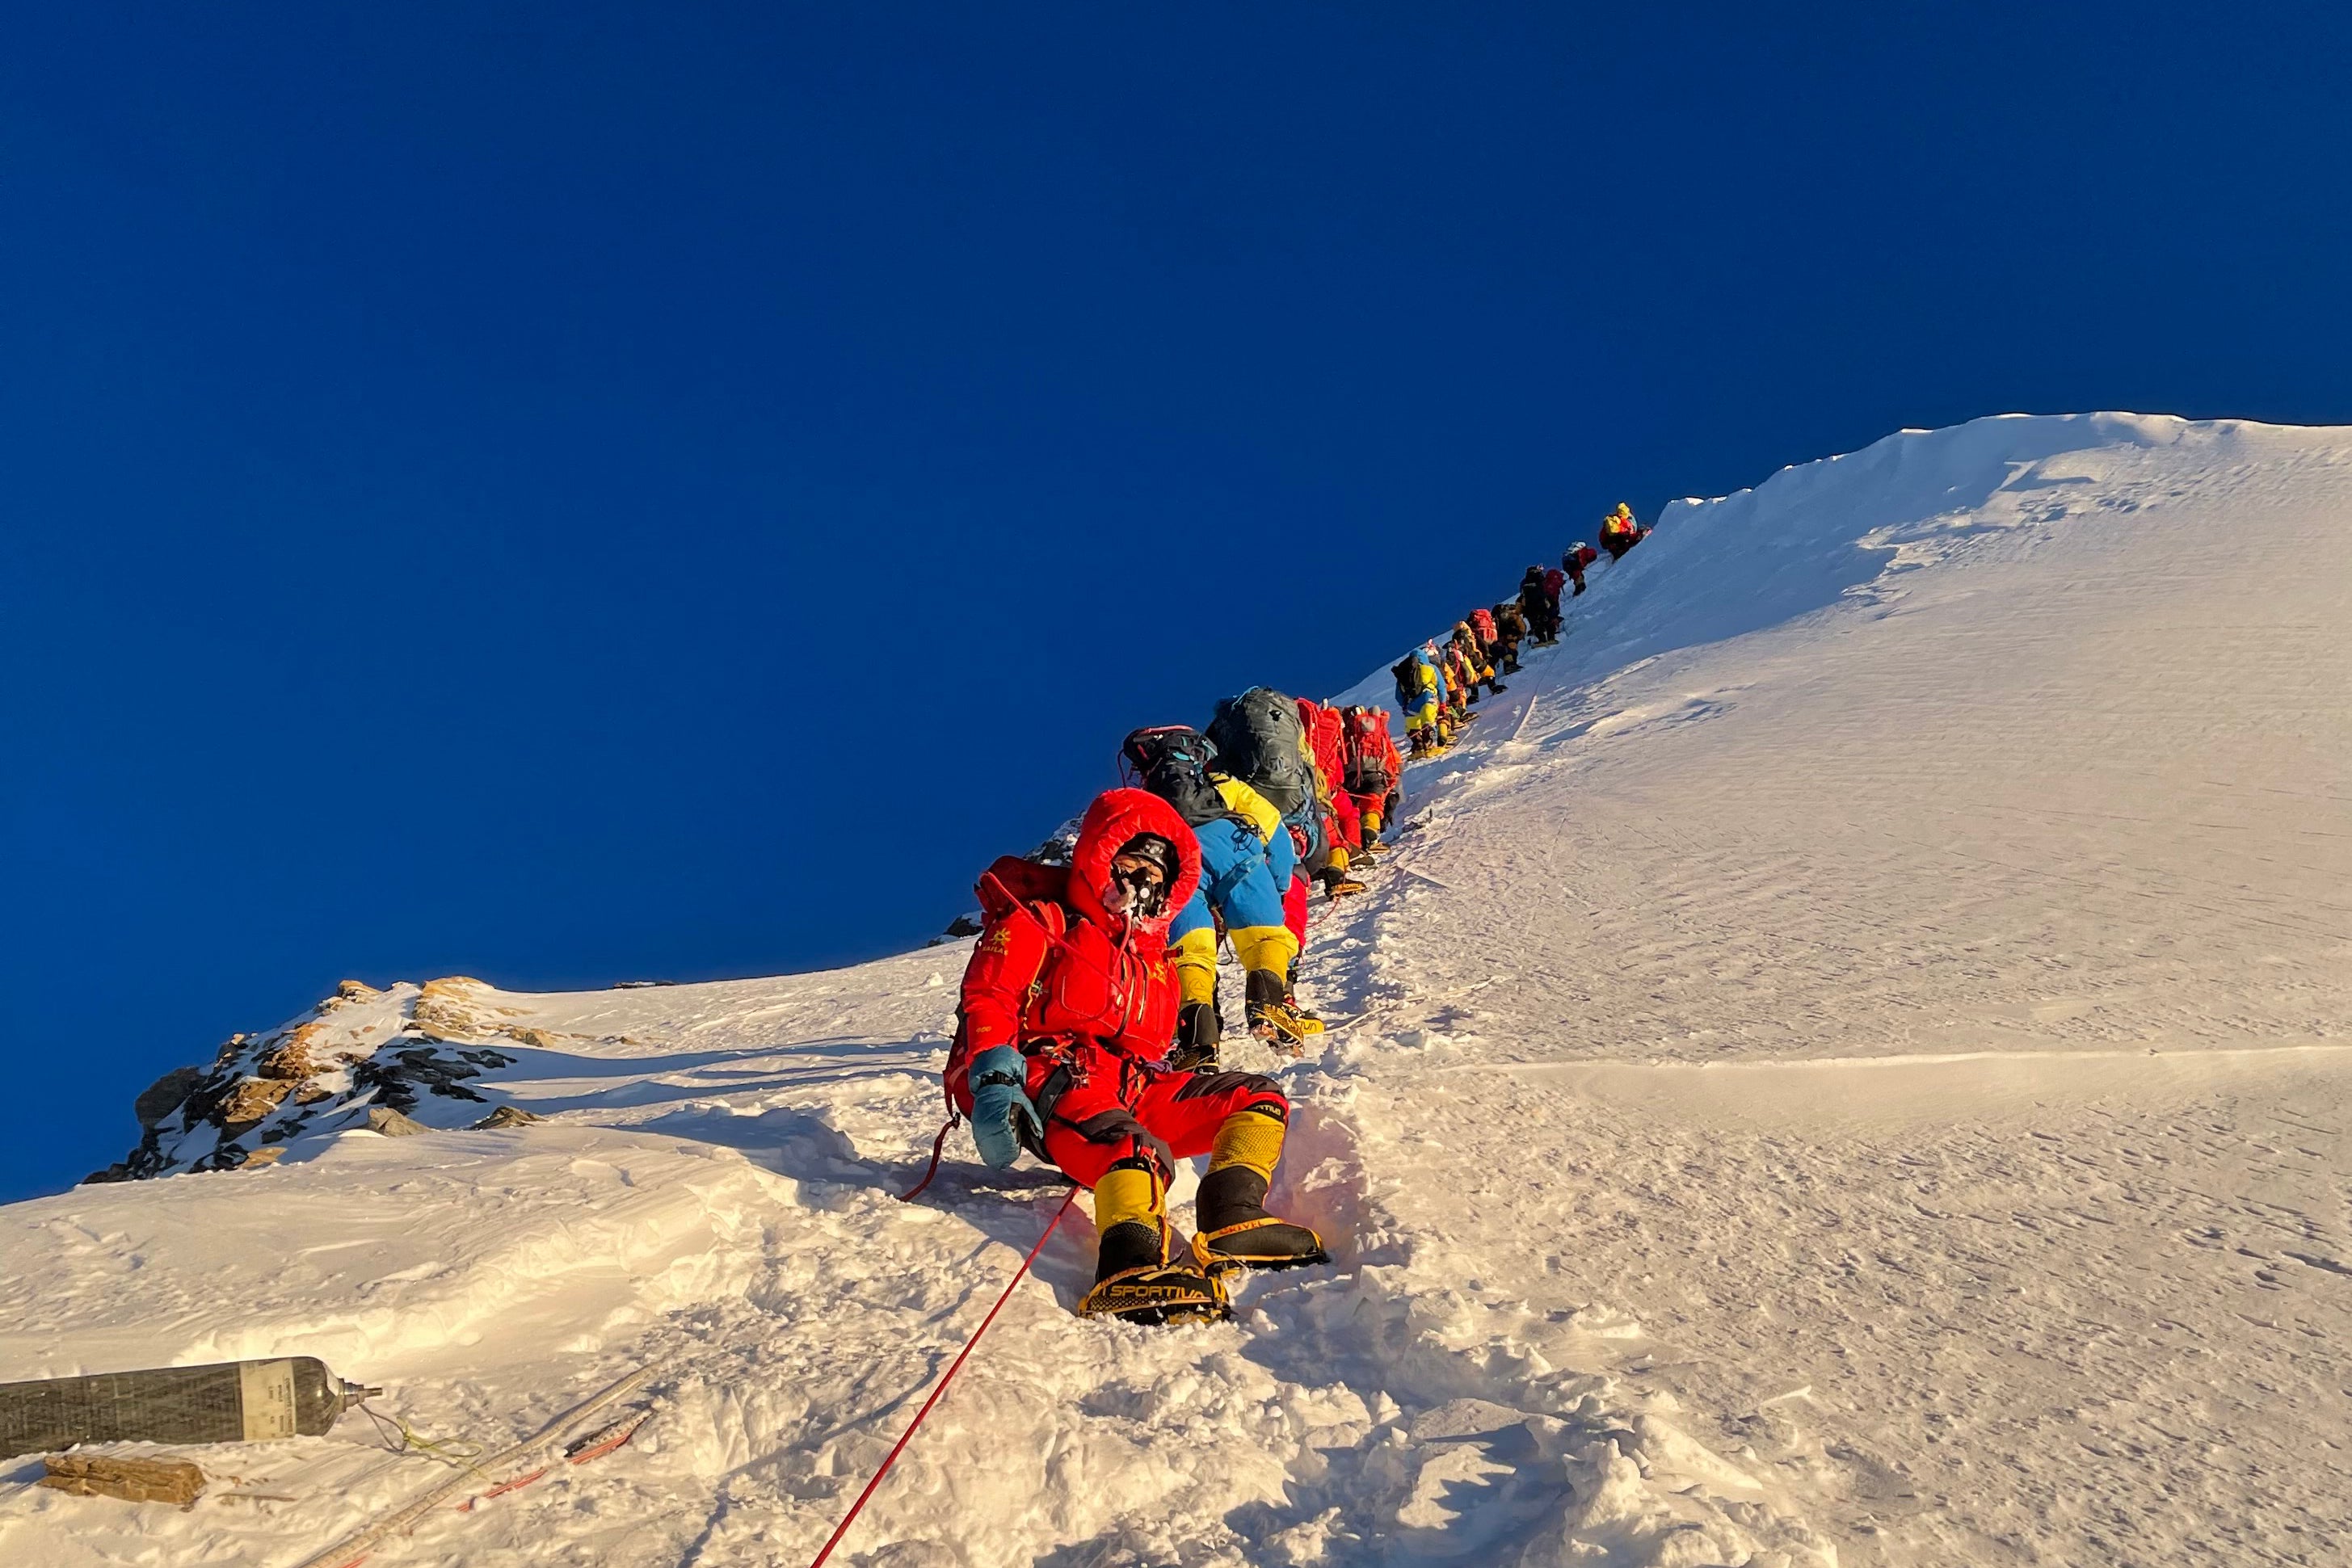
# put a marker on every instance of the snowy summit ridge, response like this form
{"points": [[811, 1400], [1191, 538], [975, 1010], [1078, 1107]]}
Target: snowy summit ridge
{"points": [[1849, 1067]]}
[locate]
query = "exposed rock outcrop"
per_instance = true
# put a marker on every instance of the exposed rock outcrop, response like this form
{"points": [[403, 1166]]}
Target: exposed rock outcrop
{"points": [[166, 1095], [361, 1057], [249, 1100]]}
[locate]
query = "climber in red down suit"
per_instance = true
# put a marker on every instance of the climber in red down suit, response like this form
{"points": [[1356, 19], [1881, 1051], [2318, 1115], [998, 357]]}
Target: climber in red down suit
{"points": [[1069, 1005]]}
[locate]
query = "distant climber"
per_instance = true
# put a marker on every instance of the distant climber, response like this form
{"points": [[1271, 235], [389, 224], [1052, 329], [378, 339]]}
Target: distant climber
{"points": [[1461, 686], [1419, 695], [1450, 705], [1370, 770], [1620, 532], [1510, 629], [1540, 605], [1342, 822], [1574, 560], [1480, 669], [1490, 646], [1066, 1009]]}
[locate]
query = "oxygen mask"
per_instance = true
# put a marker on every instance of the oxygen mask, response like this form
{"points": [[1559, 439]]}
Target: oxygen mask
{"points": [[1139, 887]]}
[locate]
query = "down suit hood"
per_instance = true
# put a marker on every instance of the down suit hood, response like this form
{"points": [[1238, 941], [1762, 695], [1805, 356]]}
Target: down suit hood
{"points": [[1116, 816]]}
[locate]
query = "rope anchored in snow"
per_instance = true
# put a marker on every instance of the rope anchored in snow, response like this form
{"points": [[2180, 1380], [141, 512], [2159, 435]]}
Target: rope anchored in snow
{"points": [[949, 1376]]}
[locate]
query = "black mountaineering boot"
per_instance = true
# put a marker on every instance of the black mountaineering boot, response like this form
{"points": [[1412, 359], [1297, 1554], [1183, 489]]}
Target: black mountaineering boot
{"points": [[1136, 1279], [1198, 1031], [1235, 1230], [1273, 1018], [1340, 884]]}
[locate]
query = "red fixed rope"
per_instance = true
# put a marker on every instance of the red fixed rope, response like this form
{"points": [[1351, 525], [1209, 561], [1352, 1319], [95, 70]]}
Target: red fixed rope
{"points": [[892, 1456]]}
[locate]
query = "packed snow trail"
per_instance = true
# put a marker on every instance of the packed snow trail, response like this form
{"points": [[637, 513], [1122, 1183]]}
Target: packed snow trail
{"points": [[1844, 1068]]}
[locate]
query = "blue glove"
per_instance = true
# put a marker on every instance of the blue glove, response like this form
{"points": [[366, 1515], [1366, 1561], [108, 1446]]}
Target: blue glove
{"points": [[1000, 1105]]}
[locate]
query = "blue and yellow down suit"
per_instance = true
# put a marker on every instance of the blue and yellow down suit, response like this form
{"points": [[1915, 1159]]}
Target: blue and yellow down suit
{"points": [[1424, 695], [1244, 871]]}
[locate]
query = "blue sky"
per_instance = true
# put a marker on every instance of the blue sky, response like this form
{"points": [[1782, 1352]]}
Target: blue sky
{"points": [[575, 493]]}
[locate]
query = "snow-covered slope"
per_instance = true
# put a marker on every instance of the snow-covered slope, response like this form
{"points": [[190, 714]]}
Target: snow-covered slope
{"points": [[1849, 1067]]}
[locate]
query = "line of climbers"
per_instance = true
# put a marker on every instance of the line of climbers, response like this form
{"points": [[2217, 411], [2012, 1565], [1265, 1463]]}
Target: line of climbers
{"points": [[1437, 683], [1089, 1025]]}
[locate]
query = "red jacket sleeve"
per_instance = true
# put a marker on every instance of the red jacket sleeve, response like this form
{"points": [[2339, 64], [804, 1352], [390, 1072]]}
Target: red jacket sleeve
{"points": [[996, 982]]}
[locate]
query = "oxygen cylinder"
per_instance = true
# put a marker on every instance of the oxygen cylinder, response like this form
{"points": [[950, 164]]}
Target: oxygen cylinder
{"points": [[231, 1402]]}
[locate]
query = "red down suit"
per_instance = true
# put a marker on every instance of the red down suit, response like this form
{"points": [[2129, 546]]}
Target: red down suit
{"points": [[1344, 827], [1090, 999]]}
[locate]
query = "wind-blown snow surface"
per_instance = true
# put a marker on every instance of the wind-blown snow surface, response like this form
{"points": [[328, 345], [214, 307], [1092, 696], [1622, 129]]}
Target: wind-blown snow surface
{"points": [[1850, 1067]]}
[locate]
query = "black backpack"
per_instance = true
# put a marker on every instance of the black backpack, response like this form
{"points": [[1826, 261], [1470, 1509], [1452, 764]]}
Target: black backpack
{"points": [[1172, 761], [1260, 741]]}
